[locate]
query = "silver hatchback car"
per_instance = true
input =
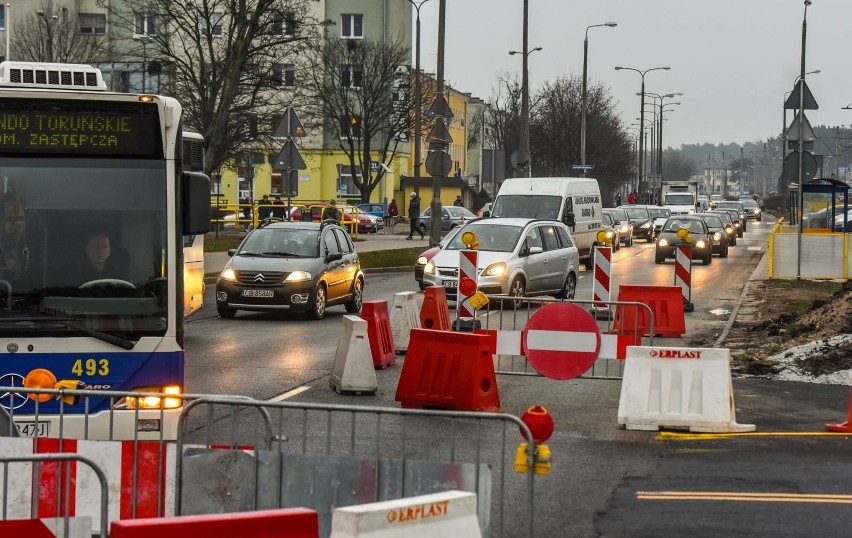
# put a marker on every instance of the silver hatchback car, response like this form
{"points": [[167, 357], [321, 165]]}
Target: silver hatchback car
{"points": [[516, 257]]}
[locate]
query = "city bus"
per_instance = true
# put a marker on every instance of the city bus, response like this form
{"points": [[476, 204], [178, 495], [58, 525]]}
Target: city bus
{"points": [[95, 208], [193, 245]]}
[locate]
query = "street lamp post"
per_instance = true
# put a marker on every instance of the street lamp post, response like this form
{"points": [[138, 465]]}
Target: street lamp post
{"points": [[49, 25], [642, 115], [524, 138], [660, 135], [585, 72], [418, 97], [801, 135], [8, 31]]}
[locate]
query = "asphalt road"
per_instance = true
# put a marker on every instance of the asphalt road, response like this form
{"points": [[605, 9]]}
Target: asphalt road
{"points": [[605, 481]]}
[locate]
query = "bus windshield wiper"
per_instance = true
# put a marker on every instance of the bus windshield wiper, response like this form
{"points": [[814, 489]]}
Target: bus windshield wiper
{"points": [[63, 321]]}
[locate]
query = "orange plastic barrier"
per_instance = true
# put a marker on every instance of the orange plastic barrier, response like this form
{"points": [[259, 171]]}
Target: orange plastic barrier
{"points": [[287, 522], [666, 302], [375, 313], [435, 313], [845, 427], [448, 370]]}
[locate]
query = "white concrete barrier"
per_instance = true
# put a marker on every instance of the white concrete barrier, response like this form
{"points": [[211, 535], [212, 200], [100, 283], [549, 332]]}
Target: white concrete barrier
{"points": [[449, 514], [404, 316], [352, 371], [678, 388]]}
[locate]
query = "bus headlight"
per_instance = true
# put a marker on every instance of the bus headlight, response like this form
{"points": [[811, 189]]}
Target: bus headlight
{"points": [[228, 274], [152, 402]]}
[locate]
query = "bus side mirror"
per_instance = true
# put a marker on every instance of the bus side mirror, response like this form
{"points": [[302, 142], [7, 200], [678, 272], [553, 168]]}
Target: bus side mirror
{"points": [[195, 203], [569, 220]]}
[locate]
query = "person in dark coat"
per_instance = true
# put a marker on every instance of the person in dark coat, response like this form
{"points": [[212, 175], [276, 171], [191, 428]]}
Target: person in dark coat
{"points": [[279, 209], [459, 202], [264, 208], [98, 263], [414, 215]]}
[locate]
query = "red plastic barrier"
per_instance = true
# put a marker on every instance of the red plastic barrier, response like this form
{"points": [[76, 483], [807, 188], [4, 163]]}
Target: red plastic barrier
{"points": [[287, 522], [845, 427], [448, 370], [31, 528], [375, 313], [435, 313], [666, 302]]}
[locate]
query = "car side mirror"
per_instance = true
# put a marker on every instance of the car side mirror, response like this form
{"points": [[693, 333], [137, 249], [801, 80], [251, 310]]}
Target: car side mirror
{"points": [[333, 257], [535, 250], [231, 252], [486, 214], [569, 220]]}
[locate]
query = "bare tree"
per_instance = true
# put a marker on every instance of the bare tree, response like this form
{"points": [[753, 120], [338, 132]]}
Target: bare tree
{"points": [[54, 33], [359, 93], [503, 122], [225, 59]]}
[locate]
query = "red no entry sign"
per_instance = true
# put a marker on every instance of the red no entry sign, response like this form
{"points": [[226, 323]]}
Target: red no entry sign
{"points": [[561, 341]]}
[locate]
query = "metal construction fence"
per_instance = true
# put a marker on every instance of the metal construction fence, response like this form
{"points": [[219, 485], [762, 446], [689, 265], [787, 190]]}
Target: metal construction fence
{"points": [[239, 454], [824, 254], [507, 313]]}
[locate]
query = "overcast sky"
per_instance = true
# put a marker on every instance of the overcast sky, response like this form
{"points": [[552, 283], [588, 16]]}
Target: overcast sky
{"points": [[732, 59]]}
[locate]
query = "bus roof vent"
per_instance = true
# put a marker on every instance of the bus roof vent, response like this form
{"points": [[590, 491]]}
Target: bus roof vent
{"points": [[57, 76]]}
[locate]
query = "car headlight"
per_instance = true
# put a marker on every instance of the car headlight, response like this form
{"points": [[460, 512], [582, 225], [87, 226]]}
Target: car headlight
{"points": [[646, 225], [757, 212], [229, 275], [609, 235], [729, 229], [737, 224], [495, 269], [298, 276], [700, 244], [717, 236], [624, 229], [430, 268], [422, 260], [663, 243]]}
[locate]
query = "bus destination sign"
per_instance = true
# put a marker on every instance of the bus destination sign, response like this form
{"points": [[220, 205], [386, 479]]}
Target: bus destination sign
{"points": [[80, 129]]}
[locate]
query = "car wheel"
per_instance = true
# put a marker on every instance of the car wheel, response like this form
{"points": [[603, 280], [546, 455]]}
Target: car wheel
{"points": [[759, 219], [724, 253], [354, 305], [589, 262], [659, 258], [740, 232], [226, 312], [517, 289], [569, 288], [317, 310], [708, 259], [422, 286], [629, 241]]}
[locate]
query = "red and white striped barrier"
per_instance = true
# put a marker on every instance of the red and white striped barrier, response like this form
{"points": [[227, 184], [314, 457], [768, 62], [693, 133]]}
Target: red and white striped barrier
{"points": [[509, 343], [141, 479], [601, 283], [683, 275], [467, 283]]}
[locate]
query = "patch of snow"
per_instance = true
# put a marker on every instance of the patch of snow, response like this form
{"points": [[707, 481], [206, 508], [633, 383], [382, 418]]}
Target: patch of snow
{"points": [[789, 372]]}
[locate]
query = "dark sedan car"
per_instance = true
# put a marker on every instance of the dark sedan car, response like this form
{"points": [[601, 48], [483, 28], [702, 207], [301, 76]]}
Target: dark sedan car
{"points": [[671, 236], [731, 204], [622, 222], [739, 223], [643, 223], [720, 236], [730, 228]]}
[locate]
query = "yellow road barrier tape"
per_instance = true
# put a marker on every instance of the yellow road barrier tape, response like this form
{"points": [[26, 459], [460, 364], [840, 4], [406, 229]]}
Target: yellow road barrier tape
{"points": [[743, 497], [677, 436]]}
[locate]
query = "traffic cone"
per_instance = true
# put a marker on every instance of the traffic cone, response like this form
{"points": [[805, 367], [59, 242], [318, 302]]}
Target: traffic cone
{"points": [[846, 427]]}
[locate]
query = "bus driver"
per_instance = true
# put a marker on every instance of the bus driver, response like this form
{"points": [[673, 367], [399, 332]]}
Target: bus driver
{"points": [[98, 263]]}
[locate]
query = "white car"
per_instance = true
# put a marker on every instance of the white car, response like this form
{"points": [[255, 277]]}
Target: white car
{"points": [[519, 257]]}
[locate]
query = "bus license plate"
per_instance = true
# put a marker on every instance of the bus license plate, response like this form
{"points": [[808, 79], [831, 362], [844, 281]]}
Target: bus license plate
{"points": [[450, 283], [257, 293], [33, 429]]}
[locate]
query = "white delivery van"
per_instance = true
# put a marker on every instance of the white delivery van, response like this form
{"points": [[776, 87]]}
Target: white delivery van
{"points": [[576, 201]]}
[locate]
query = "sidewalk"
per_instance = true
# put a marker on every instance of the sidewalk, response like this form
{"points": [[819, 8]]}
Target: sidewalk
{"points": [[215, 261]]}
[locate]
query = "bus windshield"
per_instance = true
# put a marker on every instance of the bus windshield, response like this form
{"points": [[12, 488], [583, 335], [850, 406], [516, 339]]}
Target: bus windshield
{"points": [[84, 245], [527, 206]]}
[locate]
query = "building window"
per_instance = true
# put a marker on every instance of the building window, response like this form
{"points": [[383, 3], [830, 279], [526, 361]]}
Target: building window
{"points": [[352, 26], [345, 184], [350, 127], [284, 75], [145, 24], [92, 23], [215, 22], [284, 25], [2, 17], [351, 77]]}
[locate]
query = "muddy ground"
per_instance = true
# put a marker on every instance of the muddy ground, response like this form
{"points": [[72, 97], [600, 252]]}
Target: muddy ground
{"points": [[781, 314]]}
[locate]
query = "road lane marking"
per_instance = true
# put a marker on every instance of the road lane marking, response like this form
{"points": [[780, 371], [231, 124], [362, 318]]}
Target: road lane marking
{"points": [[743, 497], [289, 394], [675, 436], [754, 248]]}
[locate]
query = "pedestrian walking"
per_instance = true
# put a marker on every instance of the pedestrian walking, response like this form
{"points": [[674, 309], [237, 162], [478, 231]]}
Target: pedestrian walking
{"points": [[617, 199], [631, 198], [459, 202], [414, 216]]}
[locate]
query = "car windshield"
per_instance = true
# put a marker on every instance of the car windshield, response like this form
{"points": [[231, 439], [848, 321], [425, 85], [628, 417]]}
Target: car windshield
{"points": [[637, 213], [726, 218], [717, 197], [491, 238], [713, 221], [527, 206], [457, 212], [606, 219], [679, 198], [284, 242], [657, 212], [730, 205], [617, 215], [694, 226], [749, 203]]}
